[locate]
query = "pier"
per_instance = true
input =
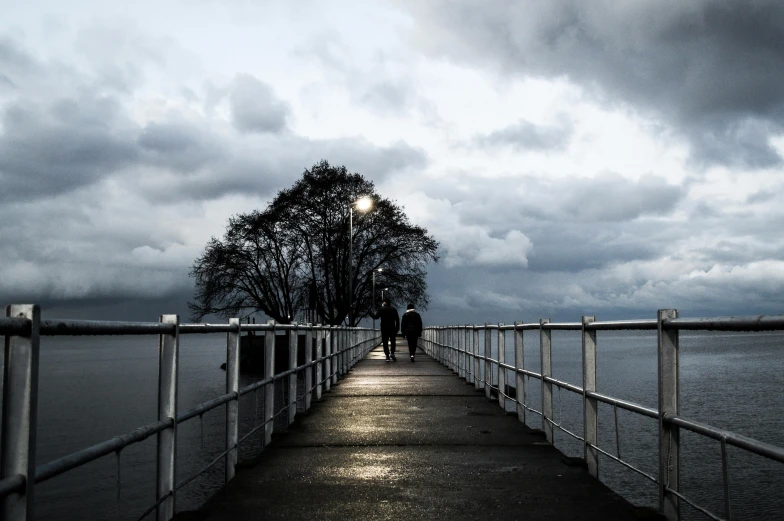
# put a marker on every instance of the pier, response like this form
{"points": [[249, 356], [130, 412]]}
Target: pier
{"points": [[402, 440], [346, 435]]}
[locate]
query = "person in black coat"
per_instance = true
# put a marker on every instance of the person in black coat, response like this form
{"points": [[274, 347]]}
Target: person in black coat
{"points": [[390, 323], [411, 327]]}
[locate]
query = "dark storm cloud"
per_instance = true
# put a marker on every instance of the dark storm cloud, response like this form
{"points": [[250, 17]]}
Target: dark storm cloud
{"points": [[615, 198], [180, 146], [61, 147], [255, 108], [712, 68], [576, 248], [526, 136], [269, 163]]}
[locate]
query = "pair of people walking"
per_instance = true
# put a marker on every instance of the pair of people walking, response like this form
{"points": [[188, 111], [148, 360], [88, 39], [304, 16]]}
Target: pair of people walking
{"points": [[410, 326]]}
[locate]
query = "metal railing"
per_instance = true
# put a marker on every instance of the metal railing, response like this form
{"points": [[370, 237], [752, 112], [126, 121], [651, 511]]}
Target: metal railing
{"points": [[336, 350], [457, 347]]}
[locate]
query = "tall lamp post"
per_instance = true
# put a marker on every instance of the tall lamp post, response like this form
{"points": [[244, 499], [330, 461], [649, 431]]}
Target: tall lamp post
{"points": [[363, 204], [373, 298]]}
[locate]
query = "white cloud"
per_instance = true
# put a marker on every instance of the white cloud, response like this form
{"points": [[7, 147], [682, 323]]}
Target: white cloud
{"points": [[466, 244]]}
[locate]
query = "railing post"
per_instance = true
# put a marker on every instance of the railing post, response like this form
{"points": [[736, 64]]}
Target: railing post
{"points": [[501, 370], [309, 369], [460, 352], [335, 356], [437, 345], [328, 358], [448, 351], [453, 346], [456, 350], [20, 406], [475, 349], [669, 435], [448, 347], [292, 379], [269, 389], [353, 335], [167, 410], [441, 343], [342, 350], [519, 377], [232, 407], [545, 346], [590, 405], [488, 364], [466, 351]]}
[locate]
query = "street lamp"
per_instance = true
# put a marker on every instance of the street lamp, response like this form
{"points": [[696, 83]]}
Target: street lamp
{"points": [[382, 293], [363, 204], [373, 295]]}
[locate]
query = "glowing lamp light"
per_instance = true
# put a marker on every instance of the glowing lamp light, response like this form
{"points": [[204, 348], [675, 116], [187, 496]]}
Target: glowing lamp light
{"points": [[364, 204]]}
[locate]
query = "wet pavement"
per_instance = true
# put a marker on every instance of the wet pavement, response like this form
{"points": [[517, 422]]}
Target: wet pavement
{"points": [[401, 440]]}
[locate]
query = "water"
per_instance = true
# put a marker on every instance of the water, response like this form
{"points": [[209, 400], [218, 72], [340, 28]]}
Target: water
{"points": [[94, 388]]}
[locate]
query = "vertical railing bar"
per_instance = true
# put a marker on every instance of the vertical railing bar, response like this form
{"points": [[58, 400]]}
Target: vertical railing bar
{"points": [[501, 370], [320, 364], [488, 365], [467, 354], [617, 432], [725, 471], [20, 412], [269, 389], [308, 370], [669, 435], [545, 348], [233, 406], [167, 410], [519, 364], [293, 341], [459, 354], [328, 358], [475, 349], [590, 405]]}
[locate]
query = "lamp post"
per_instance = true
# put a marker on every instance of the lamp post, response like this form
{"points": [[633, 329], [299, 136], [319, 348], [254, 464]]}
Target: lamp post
{"points": [[373, 297], [382, 293], [363, 204]]}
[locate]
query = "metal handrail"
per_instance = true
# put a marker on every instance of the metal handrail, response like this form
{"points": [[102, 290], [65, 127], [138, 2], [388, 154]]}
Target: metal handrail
{"points": [[461, 352], [338, 348]]}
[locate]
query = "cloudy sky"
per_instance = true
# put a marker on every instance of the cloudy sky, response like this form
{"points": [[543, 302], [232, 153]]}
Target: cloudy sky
{"points": [[572, 158]]}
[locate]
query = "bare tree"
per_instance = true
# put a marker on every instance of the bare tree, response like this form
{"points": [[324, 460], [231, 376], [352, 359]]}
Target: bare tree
{"points": [[307, 228], [254, 268]]}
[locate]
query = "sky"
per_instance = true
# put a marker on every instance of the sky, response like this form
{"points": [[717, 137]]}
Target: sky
{"points": [[572, 158]]}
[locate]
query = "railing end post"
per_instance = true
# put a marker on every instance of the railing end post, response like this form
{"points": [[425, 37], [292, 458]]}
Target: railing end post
{"points": [[669, 435]]}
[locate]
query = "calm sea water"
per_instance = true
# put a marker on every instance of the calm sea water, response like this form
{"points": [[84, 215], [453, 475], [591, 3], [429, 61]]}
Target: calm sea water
{"points": [[94, 388]]}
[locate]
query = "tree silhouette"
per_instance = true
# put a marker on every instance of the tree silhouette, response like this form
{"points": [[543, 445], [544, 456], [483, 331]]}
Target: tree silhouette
{"points": [[296, 251]]}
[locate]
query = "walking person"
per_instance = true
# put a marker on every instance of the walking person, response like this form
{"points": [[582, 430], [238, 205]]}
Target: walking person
{"points": [[390, 323], [411, 327]]}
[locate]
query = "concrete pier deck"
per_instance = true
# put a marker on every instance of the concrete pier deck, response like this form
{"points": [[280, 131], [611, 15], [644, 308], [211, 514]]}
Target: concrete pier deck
{"points": [[401, 440]]}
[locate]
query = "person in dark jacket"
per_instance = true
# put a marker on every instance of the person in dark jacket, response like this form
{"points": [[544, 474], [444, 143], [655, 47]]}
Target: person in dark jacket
{"points": [[390, 323], [411, 327]]}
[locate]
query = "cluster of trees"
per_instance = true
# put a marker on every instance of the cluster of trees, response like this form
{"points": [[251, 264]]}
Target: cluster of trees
{"points": [[294, 255]]}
